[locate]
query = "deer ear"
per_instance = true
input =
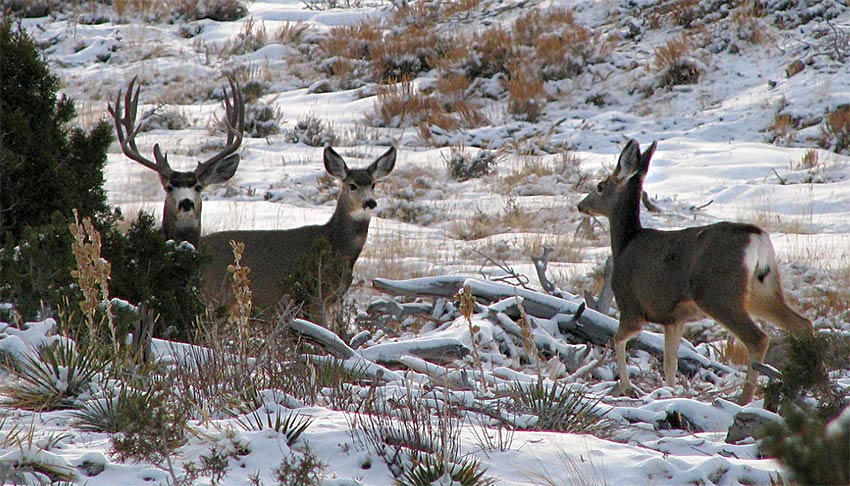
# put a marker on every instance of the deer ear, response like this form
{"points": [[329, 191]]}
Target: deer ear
{"points": [[334, 164], [646, 156], [629, 162], [383, 165], [221, 171]]}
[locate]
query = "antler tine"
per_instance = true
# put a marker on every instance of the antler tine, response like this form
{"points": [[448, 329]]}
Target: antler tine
{"points": [[234, 119], [126, 129]]}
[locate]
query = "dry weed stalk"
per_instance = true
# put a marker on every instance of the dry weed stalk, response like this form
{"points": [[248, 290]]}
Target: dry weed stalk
{"points": [[92, 275], [241, 285], [466, 307]]}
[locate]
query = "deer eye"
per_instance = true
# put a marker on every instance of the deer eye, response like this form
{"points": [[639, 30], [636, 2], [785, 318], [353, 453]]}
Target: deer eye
{"points": [[353, 187], [169, 188], [373, 186], [198, 188], [600, 187]]}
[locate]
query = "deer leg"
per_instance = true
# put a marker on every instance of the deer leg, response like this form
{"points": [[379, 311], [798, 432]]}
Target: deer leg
{"points": [[672, 336], [626, 329], [734, 318]]}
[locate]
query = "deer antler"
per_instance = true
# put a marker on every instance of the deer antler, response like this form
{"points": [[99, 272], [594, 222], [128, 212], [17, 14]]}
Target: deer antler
{"points": [[126, 129], [234, 119]]}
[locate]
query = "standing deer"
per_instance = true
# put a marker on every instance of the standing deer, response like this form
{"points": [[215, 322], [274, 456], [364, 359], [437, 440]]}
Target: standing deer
{"points": [[181, 216], [313, 264], [726, 271]]}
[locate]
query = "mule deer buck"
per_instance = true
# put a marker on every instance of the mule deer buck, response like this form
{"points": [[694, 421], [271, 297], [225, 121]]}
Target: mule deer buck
{"points": [[312, 264], [726, 271], [181, 215]]}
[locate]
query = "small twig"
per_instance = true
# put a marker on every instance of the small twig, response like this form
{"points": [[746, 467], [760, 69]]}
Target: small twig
{"points": [[782, 180], [650, 206], [702, 206], [512, 276]]}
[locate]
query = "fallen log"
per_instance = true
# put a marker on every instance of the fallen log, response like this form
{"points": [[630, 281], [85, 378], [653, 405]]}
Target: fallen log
{"points": [[571, 315], [434, 350]]}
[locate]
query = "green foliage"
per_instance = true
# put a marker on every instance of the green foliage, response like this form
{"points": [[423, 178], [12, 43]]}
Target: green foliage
{"points": [[148, 268], [35, 270], [809, 361], [46, 169], [306, 470], [44, 166], [57, 377], [814, 453], [151, 423], [430, 470], [559, 406]]}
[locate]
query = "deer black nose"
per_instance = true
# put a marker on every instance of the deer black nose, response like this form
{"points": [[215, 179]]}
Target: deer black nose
{"points": [[186, 205], [370, 204]]}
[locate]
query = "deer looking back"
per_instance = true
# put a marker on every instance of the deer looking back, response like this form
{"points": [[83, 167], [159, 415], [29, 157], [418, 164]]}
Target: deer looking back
{"points": [[181, 214], [312, 264], [727, 271]]}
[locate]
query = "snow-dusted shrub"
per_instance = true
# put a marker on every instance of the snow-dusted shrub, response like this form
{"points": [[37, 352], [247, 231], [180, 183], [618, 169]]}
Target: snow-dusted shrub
{"points": [[163, 118], [312, 131], [405, 54], [262, 120], [218, 10], [782, 130], [304, 469], [490, 52], [462, 167]]}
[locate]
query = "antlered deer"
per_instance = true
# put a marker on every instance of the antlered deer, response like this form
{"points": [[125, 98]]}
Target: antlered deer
{"points": [[313, 262], [726, 271], [181, 216]]}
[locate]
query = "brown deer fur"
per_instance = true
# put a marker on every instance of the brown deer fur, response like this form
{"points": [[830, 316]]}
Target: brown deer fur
{"points": [[726, 271], [275, 255]]}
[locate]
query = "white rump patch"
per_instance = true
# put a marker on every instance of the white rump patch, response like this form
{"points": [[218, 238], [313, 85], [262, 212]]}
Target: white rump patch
{"points": [[759, 257]]}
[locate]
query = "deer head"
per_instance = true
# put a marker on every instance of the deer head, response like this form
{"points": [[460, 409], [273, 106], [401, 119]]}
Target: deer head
{"points": [[357, 186], [181, 216]]}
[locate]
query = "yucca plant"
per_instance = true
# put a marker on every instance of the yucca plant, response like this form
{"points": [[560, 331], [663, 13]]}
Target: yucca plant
{"points": [[106, 414], [55, 378], [292, 425], [428, 470], [559, 406]]}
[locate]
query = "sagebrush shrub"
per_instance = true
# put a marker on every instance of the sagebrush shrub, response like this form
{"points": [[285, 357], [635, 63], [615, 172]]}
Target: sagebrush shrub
{"points": [[311, 130], [461, 166]]}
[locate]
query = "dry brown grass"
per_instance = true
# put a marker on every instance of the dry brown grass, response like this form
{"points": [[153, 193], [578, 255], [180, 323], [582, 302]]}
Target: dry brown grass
{"points": [[396, 255], [782, 129], [565, 248], [836, 129], [526, 94], [733, 352], [405, 54], [673, 51], [401, 104]]}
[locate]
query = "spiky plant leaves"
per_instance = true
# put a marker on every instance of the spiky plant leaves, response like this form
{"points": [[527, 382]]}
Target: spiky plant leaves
{"points": [[55, 378], [558, 407], [427, 470]]}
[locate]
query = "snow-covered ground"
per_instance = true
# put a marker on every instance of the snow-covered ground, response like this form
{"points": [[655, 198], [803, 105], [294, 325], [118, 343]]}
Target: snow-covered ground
{"points": [[713, 162]]}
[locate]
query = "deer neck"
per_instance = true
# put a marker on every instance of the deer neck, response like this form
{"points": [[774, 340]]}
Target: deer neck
{"points": [[186, 227], [625, 218], [348, 228]]}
